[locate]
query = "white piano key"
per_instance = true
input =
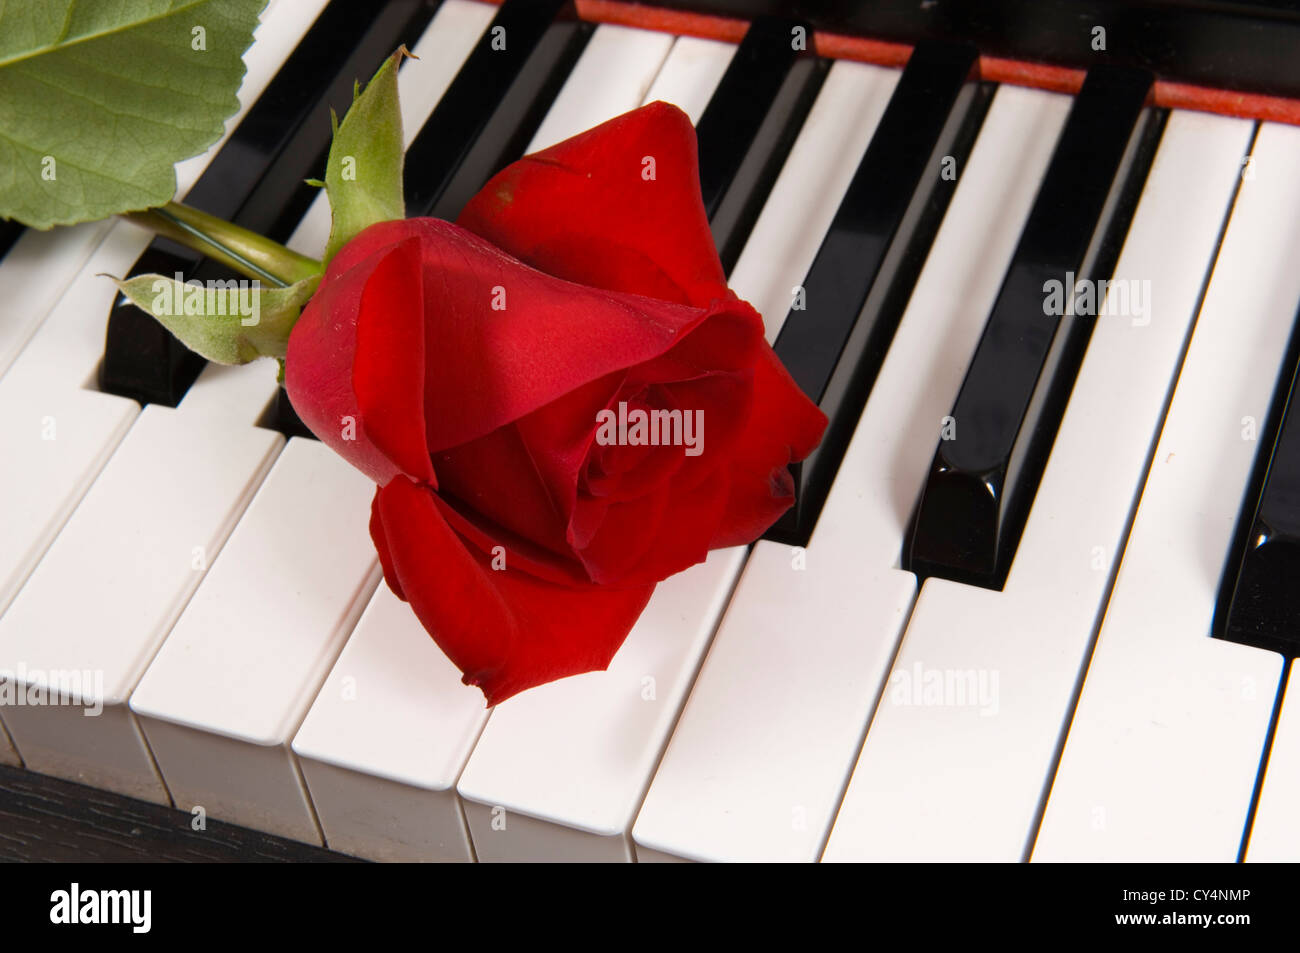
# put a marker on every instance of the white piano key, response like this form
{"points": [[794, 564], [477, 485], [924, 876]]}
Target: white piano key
{"points": [[812, 183], [133, 552], [560, 770], [960, 775], [62, 439], [224, 695], [1162, 754], [385, 741], [691, 73], [152, 521], [758, 761], [1275, 835], [34, 274], [62, 430], [617, 67]]}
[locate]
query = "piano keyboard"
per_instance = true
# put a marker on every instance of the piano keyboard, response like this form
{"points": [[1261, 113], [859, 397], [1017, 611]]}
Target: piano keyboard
{"points": [[1034, 601]]}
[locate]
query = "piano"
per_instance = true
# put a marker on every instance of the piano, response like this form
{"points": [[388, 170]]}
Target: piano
{"points": [[1038, 261]]}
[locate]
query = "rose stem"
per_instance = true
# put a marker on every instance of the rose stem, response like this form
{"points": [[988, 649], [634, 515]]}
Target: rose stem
{"points": [[247, 252]]}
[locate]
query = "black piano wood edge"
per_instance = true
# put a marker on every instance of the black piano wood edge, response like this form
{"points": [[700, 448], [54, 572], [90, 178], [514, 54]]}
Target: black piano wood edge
{"points": [[1244, 45], [46, 819]]}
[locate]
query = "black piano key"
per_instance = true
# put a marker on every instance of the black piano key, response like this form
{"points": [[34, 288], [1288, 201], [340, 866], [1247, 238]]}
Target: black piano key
{"points": [[142, 359], [859, 283], [1259, 600], [982, 481], [494, 105], [282, 417], [10, 231], [256, 179], [752, 120]]}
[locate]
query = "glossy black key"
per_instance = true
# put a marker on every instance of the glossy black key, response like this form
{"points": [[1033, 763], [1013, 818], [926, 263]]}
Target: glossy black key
{"points": [[256, 179], [494, 105], [986, 470], [281, 416], [859, 283], [9, 233], [752, 119], [1259, 601]]}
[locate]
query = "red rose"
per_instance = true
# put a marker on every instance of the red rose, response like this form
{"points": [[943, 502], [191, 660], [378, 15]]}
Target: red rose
{"points": [[479, 372]]}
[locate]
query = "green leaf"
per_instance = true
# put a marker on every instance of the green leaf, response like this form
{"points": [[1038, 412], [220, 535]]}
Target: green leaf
{"points": [[363, 176], [230, 322], [100, 100]]}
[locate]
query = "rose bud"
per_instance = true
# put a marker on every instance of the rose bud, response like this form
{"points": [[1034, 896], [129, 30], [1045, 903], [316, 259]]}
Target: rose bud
{"points": [[560, 399]]}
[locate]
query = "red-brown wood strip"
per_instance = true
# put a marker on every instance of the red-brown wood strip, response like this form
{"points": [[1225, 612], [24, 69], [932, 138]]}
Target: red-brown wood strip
{"points": [[1016, 72]]}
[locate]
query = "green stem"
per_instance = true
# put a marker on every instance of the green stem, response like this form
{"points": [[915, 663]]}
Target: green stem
{"points": [[247, 252]]}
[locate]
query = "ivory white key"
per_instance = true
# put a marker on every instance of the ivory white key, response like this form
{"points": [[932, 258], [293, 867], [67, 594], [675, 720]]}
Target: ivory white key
{"points": [[62, 431], [230, 685], [385, 741], [758, 761], [559, 771], [809, 189], [617, 67], [32, 276], [568, 763], [1162, 754], [141, 539], [1275, 835], [691, 73], [958, 772], [135, 549]]}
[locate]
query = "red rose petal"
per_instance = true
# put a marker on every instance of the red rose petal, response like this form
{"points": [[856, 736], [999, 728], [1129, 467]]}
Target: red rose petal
{"points": [[505, 630], [381, 547], [388, 374], [784, 427], [680, 538], [318, 368], [501, 340], [584, 210]]}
